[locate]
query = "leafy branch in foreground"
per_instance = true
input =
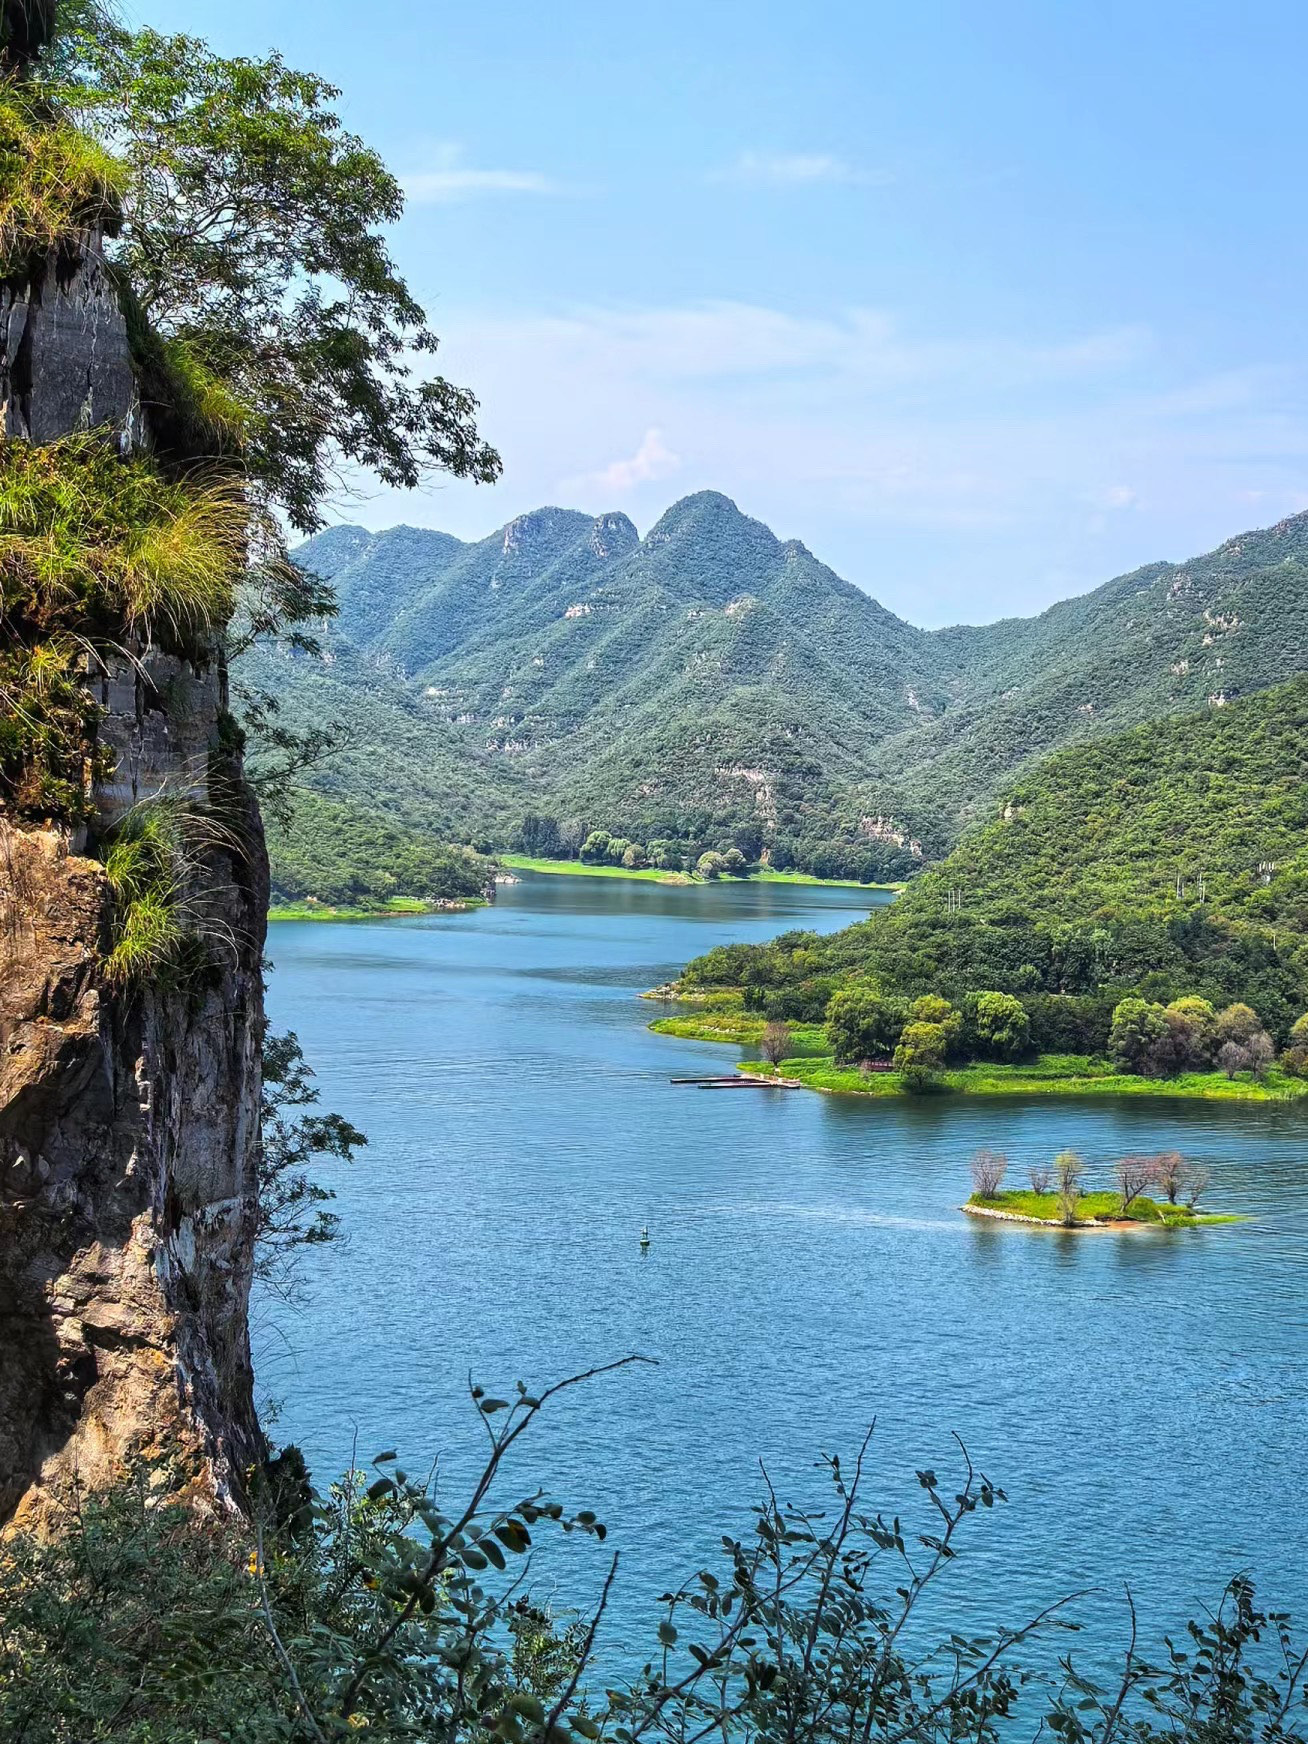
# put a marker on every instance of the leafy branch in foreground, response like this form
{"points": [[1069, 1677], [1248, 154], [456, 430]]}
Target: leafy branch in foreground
{"points": [[271, 316], [381, 1608], [293, 1203]]}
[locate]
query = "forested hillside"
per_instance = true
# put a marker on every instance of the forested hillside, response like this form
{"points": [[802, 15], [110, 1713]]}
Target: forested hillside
{"points": [[1165, 639], [713, 685], [1171, 858]]}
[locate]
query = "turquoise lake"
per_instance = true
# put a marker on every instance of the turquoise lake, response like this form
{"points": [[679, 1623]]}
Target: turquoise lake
{"points": [[1142, 1399]]}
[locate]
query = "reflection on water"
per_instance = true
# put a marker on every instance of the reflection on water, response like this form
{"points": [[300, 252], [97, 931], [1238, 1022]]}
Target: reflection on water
{"points": [[1143, 1401]]}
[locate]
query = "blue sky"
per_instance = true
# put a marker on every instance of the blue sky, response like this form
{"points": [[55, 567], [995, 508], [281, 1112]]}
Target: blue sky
{"points": [[985, 303]]}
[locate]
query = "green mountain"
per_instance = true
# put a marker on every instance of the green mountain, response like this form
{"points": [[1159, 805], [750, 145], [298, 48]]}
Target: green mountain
{"points": [[1172, 857], [710, 682], [1166, 639]]}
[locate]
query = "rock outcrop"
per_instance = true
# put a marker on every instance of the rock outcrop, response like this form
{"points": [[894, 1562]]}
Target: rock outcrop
{"points": [[129, 1113]]}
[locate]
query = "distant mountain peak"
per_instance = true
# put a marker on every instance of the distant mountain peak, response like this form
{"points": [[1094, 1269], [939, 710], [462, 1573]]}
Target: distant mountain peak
{"points": [[612, 535], [701, 510], [542, 526]]}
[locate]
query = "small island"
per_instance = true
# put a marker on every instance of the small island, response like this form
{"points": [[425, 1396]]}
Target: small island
{"points": [[1148, 1192]]}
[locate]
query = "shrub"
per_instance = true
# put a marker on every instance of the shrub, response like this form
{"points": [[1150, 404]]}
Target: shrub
{"points": [[382, 1608], [49, 759], [1040, 1177]]}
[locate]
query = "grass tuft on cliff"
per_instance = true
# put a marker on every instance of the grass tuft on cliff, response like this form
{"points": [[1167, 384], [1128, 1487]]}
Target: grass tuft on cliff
{"points": [[94, 543], [55, 181]]}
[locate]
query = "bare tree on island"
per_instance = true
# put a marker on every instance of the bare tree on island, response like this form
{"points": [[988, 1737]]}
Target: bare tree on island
{"points": [[1134, 1175], [988, 1171], [1069, 1170]]}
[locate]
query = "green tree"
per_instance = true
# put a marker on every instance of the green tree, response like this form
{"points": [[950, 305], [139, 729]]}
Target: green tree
{"points": [[1295, 1058], [1139, 1029], [1194, 1024], [711, 865], [1236, 1023], [921, 1054], [931, 1008], [1000, 1026], [596, 848], [252, 246], [862, 1025]]}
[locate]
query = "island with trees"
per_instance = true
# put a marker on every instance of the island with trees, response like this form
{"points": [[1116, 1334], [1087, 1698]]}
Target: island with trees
{"points": [[1160, 1191]]}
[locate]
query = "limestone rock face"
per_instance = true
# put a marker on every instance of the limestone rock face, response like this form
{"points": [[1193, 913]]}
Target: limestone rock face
{"points": [[129, 1115], [128, 1125], [64, 358]]}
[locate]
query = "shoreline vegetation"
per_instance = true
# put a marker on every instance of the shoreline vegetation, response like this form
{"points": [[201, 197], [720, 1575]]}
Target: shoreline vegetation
{"points": [[655, 875], [310, 909], [1047, 1075]]}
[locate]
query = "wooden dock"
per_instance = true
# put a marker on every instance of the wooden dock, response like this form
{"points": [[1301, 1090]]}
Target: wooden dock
{"points": [[741, 1081]]}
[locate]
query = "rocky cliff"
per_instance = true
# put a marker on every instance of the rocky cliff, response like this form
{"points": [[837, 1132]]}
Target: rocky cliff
{"points": [[129, 1110]]}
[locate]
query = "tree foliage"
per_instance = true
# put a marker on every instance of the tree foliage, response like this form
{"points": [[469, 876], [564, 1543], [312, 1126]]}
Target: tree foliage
{"points": [[252, 247], [294, 1137]]}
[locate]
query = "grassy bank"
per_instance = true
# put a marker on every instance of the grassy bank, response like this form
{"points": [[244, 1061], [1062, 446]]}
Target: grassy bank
{"points": [[584, 869], [764, 875], [742, 1028], [1097, 1209], [1049, 1075], [379, 911]]}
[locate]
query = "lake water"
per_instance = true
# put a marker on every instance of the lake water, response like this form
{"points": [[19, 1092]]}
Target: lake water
{"points": [[1142, 1399]]}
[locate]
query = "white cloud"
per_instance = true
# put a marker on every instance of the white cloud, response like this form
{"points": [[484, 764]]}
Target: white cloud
{"points": [[451, 179], [779, 169], [652, 460], [1119, 496]]}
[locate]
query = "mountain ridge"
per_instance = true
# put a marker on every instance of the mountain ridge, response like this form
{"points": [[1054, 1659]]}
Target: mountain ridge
{"points": [[711, 678]]}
